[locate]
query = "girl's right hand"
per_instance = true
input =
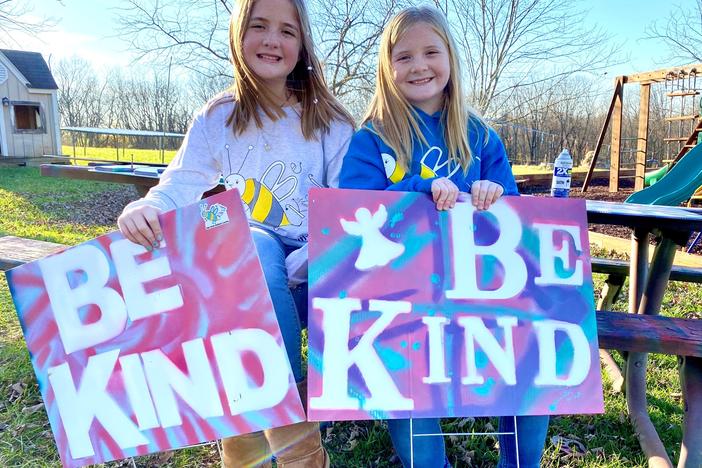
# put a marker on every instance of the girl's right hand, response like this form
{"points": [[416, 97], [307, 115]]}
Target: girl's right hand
{"points": [[140, 225], [444, 193]]}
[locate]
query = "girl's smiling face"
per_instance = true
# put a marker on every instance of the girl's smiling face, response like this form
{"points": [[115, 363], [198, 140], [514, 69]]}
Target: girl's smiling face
{"points": [[421, 67], [272, 42]]}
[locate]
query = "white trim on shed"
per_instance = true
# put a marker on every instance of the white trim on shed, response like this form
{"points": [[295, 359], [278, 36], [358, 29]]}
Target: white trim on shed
{"points": [[3, 73], [4, 150], [14, 69], [57, 122]]}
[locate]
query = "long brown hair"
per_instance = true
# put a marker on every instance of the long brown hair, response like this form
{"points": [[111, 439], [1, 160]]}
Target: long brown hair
{"points": [[306, 82], [394, 119]]}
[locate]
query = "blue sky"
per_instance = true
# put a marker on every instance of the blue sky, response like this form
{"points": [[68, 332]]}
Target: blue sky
{"points": [[626, 22], [87, 28]]}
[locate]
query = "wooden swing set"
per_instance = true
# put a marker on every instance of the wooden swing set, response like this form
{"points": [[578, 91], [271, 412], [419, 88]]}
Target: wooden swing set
{"points": [[682, 87]]}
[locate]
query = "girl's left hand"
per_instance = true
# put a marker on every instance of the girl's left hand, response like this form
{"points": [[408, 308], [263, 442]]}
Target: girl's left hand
{"points": [[484, 193]]}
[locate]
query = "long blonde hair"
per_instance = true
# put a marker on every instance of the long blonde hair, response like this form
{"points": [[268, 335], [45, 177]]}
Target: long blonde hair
{"points": [[306, 81], [392, 116]]}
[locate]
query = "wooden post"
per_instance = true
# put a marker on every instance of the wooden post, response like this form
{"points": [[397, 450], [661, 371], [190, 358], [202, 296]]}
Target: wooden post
{"points": [[691, 380], [642, 140], [616, 149], [650, 304], [618, 83]]}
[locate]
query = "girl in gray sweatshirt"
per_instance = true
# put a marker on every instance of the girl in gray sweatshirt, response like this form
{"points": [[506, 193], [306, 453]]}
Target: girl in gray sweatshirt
{"points": [[274, 135]]}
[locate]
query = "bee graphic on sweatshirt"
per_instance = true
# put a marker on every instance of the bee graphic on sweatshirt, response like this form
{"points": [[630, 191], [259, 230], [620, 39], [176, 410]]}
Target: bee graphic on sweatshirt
{"points": [[263, 199], [434, 159], [429, 166]]}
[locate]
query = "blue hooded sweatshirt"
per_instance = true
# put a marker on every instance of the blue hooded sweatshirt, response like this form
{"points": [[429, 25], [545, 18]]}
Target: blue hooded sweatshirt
{"points": [[371, 164]]}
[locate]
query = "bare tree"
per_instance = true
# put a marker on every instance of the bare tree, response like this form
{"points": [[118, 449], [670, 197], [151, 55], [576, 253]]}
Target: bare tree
{"points": [[191, 32], [347, 33], [681, 32], [79, 92], [81, 96], [14, 18], [574, 110], [202, 88], [508, 44], [142, 102], [543, 118], [527, 117], [194, 34]]}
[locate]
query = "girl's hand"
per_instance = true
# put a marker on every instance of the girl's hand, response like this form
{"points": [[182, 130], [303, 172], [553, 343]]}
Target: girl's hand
{"points": [[140, 225], [484, 193], [444, 193]]}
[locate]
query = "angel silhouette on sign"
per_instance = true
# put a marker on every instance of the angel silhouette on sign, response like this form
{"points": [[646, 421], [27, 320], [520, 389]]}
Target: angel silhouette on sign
{"points": [[376, 249]]}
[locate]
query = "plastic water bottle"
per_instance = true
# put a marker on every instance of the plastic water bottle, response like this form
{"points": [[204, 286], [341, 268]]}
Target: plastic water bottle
{"points": [[562, 167]]}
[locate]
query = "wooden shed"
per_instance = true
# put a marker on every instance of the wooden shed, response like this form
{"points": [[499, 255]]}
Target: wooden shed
{"points": [[30, 122]]}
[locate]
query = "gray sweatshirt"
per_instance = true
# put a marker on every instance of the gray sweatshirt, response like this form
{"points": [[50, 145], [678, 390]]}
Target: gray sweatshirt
{"points": [[273, 168]]}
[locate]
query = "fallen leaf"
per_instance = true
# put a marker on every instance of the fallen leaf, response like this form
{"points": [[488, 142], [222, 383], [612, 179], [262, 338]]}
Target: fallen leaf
{"points": [[33, 409], [351, 445], [162, 459], [16, 390], [570, 446], [464, 421]]}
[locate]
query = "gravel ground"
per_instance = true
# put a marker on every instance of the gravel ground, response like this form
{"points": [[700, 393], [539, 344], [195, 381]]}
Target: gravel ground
{"points": [[101, 209]]}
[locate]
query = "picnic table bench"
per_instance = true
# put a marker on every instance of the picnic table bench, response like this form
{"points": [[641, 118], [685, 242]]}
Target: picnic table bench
{"points": [[141, 182], [649, 333], [618, 270], [15, 251]]}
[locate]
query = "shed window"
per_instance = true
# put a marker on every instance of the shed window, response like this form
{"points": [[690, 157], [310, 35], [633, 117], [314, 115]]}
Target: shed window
{"points": [[28, 117]]}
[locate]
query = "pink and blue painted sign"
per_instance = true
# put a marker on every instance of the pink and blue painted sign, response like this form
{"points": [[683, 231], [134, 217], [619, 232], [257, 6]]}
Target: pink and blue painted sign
{"points": [[420, 313], [138, 352]]}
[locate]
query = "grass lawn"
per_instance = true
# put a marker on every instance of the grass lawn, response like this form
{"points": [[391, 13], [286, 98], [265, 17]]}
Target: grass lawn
{"points": [[44, 208], [126, 154]]}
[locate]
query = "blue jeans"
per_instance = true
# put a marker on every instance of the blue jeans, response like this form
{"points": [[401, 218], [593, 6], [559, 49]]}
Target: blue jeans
{"points": [[531, 433], [288, 304], [429, 452]]}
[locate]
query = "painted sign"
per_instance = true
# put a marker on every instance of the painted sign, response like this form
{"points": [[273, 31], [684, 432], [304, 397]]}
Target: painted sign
{"points": [[421, 313], [137, 352]]}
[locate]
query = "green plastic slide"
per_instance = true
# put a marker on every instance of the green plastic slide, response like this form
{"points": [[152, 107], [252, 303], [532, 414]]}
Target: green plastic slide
{"points": [[651, 177], [677, 185]]}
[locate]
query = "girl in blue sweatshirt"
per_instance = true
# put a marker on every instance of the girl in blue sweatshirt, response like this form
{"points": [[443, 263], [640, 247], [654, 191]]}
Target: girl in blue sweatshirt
{"points": [[419, 136]]}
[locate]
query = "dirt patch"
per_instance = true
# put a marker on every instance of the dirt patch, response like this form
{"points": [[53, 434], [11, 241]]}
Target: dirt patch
{"points": [[98, 209]]}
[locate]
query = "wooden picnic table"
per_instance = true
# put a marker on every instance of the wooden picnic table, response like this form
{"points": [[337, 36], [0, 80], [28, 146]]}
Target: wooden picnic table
{"points": [[144, 183], [141, 182], [647, 284]]}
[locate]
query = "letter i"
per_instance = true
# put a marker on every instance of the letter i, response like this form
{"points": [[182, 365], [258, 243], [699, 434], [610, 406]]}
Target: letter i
{"points": [[437, 359]]}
